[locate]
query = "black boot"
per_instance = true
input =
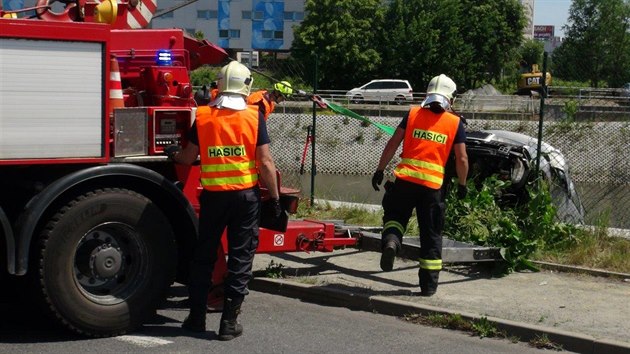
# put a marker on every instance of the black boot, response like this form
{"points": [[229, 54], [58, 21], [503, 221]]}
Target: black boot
{"points": [[195, 322], [391, 244], [230, 328], [428, 281], [198, 298]]}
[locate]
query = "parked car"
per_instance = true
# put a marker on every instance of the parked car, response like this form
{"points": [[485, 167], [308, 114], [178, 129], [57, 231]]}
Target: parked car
{"points": [[388, 90], [512, 157]]}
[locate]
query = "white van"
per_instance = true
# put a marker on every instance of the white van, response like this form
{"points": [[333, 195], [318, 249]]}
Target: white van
{"points": [[388, 90]]}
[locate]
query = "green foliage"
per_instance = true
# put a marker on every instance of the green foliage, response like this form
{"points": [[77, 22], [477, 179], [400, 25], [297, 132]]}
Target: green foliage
{"points": [[352, 216], [543, 342], [450, 321], [340, 33], [570, 109], [481, 327], [526, 231], [597, 43], [484, 328], [199, 35], [207, 74], [592, 248], [358, 40], [274, 270], [519, 230], [477, 38], [204, 75], [531, 52]]}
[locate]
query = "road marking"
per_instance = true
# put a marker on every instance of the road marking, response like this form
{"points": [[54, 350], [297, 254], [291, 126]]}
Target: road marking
{"points": [[144, 341]]}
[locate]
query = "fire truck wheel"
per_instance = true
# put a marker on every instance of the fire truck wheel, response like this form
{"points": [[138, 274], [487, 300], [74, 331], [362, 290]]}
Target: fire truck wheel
{"points": [[106, 260]]}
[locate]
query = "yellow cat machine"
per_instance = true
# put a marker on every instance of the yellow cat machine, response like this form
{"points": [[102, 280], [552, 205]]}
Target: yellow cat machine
{"points": [[530, 80]]}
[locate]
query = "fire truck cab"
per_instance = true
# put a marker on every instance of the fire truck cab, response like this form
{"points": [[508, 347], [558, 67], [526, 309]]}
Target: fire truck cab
{"points": [[92, 214]]}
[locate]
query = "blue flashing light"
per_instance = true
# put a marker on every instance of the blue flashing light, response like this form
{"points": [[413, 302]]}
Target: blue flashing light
{"points": [[164, 57]]}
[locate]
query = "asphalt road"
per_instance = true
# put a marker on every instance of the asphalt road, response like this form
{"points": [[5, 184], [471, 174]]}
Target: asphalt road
{"points": [[273, 324]]}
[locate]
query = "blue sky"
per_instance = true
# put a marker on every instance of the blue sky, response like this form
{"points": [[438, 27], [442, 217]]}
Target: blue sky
{"points": [[552, 12]]}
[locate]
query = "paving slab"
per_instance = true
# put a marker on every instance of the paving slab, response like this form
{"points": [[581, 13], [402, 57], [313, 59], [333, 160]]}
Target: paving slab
{"points": [[583, 313]]}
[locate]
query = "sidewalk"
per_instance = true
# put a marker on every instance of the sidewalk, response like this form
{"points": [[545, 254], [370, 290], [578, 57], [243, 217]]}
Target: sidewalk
{"points": [[582, 313]]}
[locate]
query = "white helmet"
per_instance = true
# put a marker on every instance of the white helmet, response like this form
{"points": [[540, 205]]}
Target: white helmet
{"points": [[235, 78], [442, 90]]}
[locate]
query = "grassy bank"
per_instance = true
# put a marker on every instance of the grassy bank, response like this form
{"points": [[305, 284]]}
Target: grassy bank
{"points": [[526, 234]]}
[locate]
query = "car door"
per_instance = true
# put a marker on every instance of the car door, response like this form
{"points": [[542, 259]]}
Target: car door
{"points": [[373, 91], [390, 90]]}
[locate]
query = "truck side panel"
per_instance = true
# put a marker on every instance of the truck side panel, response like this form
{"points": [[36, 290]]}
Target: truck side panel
{"points": [[54, 92], [52, 106]]}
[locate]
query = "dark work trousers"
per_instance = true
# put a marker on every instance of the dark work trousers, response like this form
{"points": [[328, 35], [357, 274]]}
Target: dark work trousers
{"points": [[398, 203], [239, 211]]}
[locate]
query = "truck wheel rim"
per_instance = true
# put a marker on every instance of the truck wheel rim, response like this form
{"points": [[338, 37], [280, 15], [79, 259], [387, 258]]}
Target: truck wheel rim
{"points": [[110, 262]]}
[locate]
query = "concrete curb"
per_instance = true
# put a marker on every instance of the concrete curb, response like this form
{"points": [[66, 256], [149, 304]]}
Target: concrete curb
{"points": [[575, 342]]}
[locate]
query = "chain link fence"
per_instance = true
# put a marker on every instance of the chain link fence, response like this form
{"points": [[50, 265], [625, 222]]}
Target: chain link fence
{"points": [[589, 129]]}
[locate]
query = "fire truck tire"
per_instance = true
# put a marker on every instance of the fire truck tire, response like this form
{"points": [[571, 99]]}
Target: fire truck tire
{"points": [[105, 262]]}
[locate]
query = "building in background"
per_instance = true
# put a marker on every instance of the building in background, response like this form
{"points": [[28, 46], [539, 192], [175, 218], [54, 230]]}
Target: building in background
{"points": [[528, 7], [253, 25], [242, 26], [546, 34], [12, 4]]}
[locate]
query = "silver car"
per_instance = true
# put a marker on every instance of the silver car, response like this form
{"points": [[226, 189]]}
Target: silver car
{"points": [[383, 90]]}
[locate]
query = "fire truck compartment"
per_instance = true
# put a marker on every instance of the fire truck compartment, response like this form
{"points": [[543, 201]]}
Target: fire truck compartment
{"points": [[53, 94]]}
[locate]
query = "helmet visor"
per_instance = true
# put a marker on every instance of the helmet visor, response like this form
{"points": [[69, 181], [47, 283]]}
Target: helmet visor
{"points": [[434, 97]]}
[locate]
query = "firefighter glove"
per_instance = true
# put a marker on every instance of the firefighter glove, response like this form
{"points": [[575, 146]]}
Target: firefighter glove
{"points": [[171, 150], [462, 191], [377, 179], [276, 207]]}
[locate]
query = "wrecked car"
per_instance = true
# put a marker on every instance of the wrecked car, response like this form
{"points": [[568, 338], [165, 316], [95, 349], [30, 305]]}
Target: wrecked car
{"points": [[512, 157]]}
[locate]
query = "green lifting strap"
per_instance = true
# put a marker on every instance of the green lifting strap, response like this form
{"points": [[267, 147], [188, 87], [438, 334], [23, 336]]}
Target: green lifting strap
{"points": [[346, 112]]}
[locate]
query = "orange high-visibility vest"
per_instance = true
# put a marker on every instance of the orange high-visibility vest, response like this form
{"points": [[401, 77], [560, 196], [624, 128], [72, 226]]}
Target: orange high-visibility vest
{"points": [[227, 147], [426, 147], [259, 96]]}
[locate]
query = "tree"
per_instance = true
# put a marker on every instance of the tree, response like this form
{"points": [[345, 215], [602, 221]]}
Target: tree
{"points": [[493, 32], [597, 43], [340, 33], [469, 40], [531, 51], [420, 40]]}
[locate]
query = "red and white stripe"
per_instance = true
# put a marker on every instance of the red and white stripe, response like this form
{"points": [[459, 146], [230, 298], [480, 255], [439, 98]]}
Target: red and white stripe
{"points": [[141, 15], [115, 86], [116, 98]]}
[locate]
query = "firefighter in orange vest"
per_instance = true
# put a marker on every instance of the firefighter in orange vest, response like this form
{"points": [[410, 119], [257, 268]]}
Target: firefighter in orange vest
{"points": [[429, 133], [234, 144], [267, 100]]}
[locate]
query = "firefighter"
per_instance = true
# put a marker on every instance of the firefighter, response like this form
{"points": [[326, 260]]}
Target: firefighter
{"points": [[429, 133], [267, 100], [233, 140]]}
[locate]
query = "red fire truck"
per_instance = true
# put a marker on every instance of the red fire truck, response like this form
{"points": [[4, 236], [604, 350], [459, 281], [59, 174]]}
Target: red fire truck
{"points": [[92, 214]]}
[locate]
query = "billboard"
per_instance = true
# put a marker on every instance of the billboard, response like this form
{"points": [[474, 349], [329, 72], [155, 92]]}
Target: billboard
{"points": [[543, 32]]}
